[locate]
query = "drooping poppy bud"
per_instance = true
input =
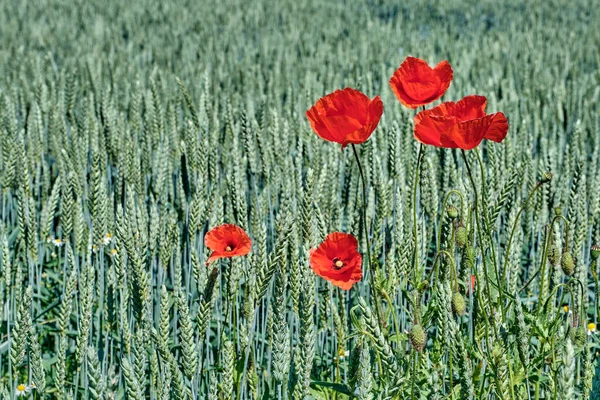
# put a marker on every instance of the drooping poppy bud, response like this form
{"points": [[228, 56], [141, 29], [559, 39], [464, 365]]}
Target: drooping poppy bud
{"points": [[553, 254], [452, 212], [595, 251], [417, 337], [567, 263], [458, 304]]}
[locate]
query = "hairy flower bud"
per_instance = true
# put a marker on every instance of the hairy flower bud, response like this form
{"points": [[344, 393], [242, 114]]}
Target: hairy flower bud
{"points": [[595, 251], [458, 304], [418, 337], [553, 254], [461, 236], [468, 259], [567, 263], [452, 212]]}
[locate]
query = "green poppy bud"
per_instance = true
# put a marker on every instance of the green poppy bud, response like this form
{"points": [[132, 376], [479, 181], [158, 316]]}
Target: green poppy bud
{"points": [[452, 212], [553, 254], [567, 263], [458, 304], [417, 337], [595, 251]]}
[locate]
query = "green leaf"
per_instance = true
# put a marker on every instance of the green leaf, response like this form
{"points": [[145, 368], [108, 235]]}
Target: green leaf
{"points": [[337, 387]]}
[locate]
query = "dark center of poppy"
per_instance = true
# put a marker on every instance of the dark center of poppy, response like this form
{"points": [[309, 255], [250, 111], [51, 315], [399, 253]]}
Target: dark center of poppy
{"points": [[229, 248], [338, 264]]}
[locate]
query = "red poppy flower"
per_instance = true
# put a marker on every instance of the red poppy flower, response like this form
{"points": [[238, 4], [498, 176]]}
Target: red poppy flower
{"points": [[415, 83], [337, 260], [345, 116], [460, 125], [226, 241]]}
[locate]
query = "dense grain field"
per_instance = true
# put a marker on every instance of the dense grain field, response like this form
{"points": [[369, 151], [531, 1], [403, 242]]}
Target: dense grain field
{"points": [[128, 130]]}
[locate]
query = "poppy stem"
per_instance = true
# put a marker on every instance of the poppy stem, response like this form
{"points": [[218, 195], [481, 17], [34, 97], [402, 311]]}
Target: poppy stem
{"points": [[488, 229], [480, 236], [414, 206], [366, 233]]}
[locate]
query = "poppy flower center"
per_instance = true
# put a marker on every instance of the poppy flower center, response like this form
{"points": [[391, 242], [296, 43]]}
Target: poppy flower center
{"points": [[229, 248], [337, 263]]}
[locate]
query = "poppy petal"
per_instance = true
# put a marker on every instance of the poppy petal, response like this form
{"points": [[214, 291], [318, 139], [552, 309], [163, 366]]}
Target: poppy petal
{"points": [[375, 110], [498, 127], [444, 72], [348, 102], [318, 125], [470, 107], [429, 128], [345, 285], [337, 247], [215, 255], [342, 126], [226, 241], [460, 125], [415, 83], [345, 116], [467, 135]]}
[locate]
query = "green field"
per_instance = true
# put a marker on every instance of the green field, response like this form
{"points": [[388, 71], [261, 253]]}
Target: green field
{"points": [[129, 129]]}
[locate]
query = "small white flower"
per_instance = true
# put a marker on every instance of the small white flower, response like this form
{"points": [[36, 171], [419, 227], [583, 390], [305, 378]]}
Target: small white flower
{"points": [[58, 242], [344, 354], [22, 390], [591, 329], [107, 239]]}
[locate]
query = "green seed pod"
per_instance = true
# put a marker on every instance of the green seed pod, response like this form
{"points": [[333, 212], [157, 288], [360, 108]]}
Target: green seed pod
{"points": [[418, 337], [558, 211], [461, 236], [458, 304], [452, 212], [553, 254], [595, 251], [567, 263]]}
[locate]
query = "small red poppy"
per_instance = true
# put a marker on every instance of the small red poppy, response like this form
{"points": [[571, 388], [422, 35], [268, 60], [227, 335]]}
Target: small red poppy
{"points": [[460, 125], [226, 241], [415, 83], [345, 116], [337, 260]]}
